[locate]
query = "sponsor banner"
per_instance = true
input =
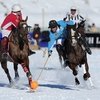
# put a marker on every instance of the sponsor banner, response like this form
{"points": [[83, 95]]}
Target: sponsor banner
{"points": [[93, 39]]}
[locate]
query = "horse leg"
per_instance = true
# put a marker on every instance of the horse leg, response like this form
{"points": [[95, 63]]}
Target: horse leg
{"points": [[16, 71], [86, 73], [65, 57], [66, 61], [75, 73], [59, 53], [4, 66], [62, 54], [25, 66], [60, 59]]}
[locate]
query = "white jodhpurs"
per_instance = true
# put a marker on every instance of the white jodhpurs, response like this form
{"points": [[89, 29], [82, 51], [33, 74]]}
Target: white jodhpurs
{"points": [[59, 41], [5, 33]]}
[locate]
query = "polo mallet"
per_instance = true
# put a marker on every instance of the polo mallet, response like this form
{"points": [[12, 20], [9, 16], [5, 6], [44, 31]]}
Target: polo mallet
{"points": [[43, 67]]}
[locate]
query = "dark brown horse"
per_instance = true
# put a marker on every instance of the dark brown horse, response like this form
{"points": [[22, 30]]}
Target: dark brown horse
{"points": [[75, 52], [19, 51]]}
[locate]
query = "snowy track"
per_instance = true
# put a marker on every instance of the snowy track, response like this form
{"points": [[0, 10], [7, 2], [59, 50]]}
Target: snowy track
{"points": [[55, 83]]}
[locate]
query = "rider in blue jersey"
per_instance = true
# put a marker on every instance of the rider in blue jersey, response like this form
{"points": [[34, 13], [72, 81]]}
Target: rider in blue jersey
{"points": [[57, 32], [57, 35]]}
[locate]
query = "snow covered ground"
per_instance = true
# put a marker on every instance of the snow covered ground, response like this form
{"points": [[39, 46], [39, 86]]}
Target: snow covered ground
{"points": [[55, 83]]}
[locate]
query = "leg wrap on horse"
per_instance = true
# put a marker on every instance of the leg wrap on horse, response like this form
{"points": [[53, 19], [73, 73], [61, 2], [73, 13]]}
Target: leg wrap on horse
{"points": [[26, 71], [24, 68], [28, 74]]}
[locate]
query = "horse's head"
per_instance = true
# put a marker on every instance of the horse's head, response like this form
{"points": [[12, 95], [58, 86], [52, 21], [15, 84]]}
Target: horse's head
{"points": [[19, 34], [22, 32], [71, 29], [23, 28], [75, 32]]}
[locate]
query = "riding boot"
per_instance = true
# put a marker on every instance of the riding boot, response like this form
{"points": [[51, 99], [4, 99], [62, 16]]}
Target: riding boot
{"points": [[29, 76], [4, 48], [85, 44]]}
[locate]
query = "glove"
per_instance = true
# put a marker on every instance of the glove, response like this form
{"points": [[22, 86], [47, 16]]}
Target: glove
{"points": [[49, 53]]}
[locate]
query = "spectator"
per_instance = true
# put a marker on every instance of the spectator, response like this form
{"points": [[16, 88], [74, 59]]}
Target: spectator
{"points": [[93, 28], [37, 34]]}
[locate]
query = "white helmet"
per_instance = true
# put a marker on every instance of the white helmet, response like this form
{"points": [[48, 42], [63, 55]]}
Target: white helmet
{"points": [[73, 8], [16, 8]]}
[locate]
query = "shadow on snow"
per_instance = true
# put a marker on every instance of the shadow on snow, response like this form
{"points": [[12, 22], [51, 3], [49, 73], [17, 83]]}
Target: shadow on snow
{"points": [[58, 86]]}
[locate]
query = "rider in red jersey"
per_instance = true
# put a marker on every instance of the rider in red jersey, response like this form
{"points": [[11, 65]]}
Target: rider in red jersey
{"points": [[11, 21]]}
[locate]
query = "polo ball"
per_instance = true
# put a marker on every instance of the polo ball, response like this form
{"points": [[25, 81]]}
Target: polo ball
{"points": [[34, 85]]}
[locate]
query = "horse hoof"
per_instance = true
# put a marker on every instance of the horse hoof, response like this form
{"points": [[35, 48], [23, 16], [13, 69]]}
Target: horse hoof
{"points": [[77, 83], [86, 76], [16, 79], [12, 83]]}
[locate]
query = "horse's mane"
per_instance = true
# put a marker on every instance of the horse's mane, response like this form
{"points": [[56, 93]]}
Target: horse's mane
{"points": [[19, 35], [68, 40]]}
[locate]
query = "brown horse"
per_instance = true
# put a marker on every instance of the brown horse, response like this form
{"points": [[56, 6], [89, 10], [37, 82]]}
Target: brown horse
{"points": [[74, 51], [19, 51]]}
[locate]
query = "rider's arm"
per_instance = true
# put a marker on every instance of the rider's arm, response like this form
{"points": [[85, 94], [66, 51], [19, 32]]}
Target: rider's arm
{"points": [[15, 22], [80, 18], [52, 41]]}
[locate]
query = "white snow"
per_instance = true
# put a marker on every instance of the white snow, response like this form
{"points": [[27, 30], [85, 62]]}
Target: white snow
{"points": [[55, 83]]}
